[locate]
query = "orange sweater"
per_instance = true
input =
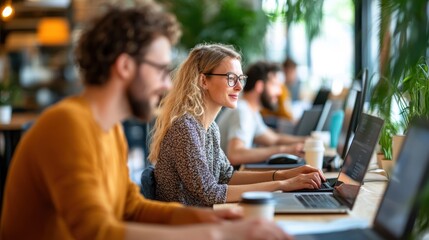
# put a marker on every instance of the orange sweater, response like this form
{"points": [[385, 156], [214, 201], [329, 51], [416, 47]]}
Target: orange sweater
{"points": [[69, 180]]}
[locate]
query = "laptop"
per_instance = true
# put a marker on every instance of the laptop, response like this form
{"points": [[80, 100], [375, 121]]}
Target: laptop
{"points": [[365, 89], [348, 129], [356, 159], [398, 209], [356, 98], [346, 188], [312, 119]]}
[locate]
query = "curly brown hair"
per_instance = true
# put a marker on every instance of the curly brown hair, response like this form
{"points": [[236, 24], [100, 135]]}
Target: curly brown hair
{"points": [[120, 31]]}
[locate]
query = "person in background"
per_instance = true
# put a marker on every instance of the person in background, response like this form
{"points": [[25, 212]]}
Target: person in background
{"points": [[243, 128], [283, 109], [291, 78], [191, 167], [69, 179]]}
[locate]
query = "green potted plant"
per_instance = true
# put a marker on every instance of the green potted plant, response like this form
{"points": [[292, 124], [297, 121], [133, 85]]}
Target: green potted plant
{"points": [[410, 95], [403, 67]]}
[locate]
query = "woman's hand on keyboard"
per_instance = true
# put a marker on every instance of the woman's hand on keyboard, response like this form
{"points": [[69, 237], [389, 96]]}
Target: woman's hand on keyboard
{"points": [[302, 181]]}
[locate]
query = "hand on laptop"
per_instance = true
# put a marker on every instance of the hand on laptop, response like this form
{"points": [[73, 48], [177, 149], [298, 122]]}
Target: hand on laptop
{"points": [[290, 173], [302, 181], [304, 177]]}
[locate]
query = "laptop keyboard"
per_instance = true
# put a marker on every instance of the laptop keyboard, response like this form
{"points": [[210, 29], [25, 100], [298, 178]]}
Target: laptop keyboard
{"points": [[325, 185], [317, 200]]}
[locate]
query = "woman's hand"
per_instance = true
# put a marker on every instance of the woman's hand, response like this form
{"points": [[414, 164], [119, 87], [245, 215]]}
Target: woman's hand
{"points": [[302, 181], [291, 173]]}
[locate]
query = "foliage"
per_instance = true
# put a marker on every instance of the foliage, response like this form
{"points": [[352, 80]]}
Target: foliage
{"points": [[389, 129], [8, 91], [412, 98], [220, 21], [403, 67], [310, 12], [410, 36], [404, 73]]}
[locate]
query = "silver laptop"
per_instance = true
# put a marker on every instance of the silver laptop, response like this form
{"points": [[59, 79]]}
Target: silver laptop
{"points": [[397, 212], [346, 188]]}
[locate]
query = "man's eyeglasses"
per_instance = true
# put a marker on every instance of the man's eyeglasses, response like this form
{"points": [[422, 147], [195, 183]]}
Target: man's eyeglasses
{"points": [[165, 69], [232, 78]]}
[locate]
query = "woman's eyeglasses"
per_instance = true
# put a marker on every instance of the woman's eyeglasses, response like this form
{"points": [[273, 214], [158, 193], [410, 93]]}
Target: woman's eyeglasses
{"points": [[232, 78]]}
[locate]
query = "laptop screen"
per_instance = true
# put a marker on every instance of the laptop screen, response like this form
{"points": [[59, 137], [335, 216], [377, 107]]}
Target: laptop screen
{"points": [[396, 211], [357, 159], [308, 121], [365, 89], [350, 121], [323, 115], [321, 97]]}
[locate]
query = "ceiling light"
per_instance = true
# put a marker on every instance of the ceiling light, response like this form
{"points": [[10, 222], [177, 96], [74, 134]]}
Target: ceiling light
{"points": [[7, 11]]}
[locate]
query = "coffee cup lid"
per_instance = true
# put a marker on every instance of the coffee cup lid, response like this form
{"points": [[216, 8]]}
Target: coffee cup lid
{"points": [[257, 197], [306, 149], [313, 143]]}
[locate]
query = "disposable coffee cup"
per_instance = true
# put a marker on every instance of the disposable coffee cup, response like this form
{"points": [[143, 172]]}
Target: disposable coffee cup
{"points": [[325, 136], [314, 150], [258, 205]]}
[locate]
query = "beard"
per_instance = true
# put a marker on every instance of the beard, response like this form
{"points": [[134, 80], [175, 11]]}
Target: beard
{"points": [[140, 109], [266, 101], [140, 106]]}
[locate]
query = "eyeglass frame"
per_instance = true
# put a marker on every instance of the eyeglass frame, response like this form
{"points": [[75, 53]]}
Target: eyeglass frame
{"points": [[243, 77], [164, 68]]}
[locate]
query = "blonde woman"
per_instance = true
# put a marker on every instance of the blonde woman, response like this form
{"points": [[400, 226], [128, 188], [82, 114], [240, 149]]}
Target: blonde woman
{"points": [[190, 167]]}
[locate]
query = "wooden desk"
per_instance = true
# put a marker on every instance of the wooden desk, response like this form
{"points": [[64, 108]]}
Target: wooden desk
{"points": [[12, 133], [365, 207]]}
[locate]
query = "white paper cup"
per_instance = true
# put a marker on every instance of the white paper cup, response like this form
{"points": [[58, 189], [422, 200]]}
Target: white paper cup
{"points": [[258, 205], [314, 159], [314, 151], [325, 136]]}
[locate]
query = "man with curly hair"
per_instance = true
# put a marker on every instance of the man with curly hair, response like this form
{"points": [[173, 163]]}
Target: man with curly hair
{"points": [[69, 178]]}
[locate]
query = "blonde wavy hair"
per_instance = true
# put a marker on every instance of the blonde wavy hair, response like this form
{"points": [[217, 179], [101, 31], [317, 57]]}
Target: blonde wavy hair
{"points": [[186, 95]]}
